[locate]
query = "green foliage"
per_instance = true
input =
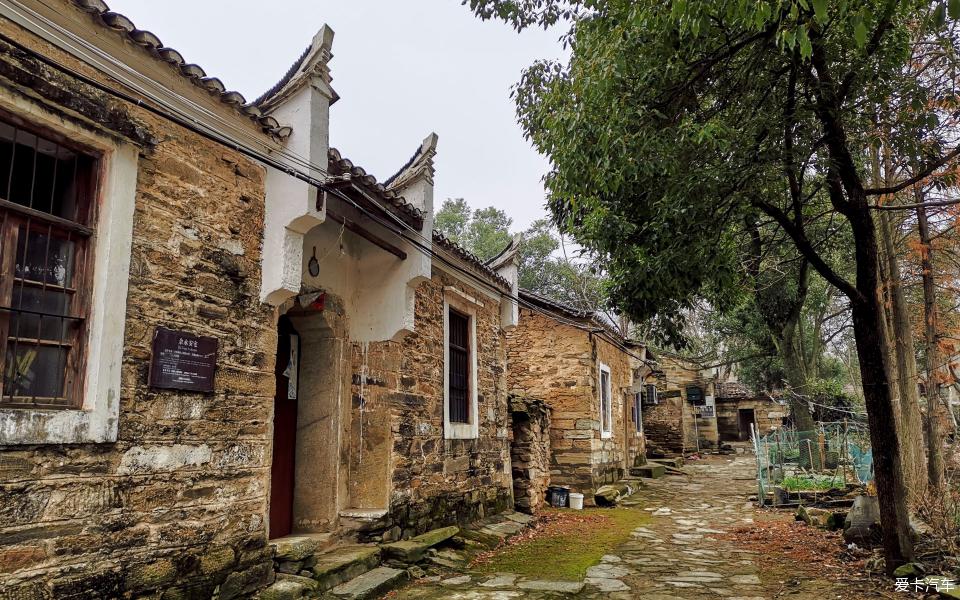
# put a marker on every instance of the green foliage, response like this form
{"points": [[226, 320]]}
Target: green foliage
{"points": [[542, 269], [485, 231], [453, 218], [666, 130], [797, 483]]}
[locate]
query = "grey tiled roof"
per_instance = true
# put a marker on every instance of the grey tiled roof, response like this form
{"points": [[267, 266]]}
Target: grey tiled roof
{"points": [[339, 165], [100, 12]]}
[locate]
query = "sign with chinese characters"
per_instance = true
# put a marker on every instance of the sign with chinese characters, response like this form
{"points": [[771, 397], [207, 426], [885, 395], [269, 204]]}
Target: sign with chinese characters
{"points": [[183, 361], [706, 412]]}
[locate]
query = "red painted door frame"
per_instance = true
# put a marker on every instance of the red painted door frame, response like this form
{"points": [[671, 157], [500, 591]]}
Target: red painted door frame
{"points": [[284, 437]]}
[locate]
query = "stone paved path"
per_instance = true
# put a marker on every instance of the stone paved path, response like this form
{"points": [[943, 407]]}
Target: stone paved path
{"points": [[676, 556]]}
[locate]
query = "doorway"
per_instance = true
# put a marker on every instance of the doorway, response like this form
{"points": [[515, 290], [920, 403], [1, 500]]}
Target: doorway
{"points": [[284, 429], [746, 419]]}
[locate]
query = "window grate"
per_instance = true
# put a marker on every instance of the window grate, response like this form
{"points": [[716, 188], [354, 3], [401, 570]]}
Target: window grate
{"points": [[46, 187], [459, 369]]}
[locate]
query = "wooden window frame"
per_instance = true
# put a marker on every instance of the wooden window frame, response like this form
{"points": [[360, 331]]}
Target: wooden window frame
{"points": [[13, 217]]}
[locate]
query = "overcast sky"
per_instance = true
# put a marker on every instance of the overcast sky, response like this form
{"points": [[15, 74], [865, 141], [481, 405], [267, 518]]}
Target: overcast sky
{"points": [[403, 68]]}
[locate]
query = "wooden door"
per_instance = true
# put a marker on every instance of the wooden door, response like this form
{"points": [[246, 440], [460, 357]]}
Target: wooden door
{"points": [[284, 430]]}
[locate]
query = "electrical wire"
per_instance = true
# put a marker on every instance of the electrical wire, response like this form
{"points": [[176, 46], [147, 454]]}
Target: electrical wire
{"points": [[126, 76], [408, 233]]}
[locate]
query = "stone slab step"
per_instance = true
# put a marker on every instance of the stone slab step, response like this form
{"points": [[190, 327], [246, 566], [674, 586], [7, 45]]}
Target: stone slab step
{"points": [[370, 584], [650, 471], [300, 546], [676, 462], [414, 549], [289, 587], [343, 563]]}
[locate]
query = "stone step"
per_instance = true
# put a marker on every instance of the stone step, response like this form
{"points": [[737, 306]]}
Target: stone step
{"points": [[413, 550], [650, 471], [300, 546], [370, 584], [676, 462], [362, 524], [290, 587], [344, 563]]}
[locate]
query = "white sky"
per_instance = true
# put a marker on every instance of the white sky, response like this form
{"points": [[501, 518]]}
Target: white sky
{"points": [[403, 68]]}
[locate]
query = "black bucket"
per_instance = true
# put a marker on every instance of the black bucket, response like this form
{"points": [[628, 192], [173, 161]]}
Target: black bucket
{"points": [[558, 496]]}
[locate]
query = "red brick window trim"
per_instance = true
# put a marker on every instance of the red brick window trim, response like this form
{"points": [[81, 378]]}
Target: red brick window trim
{"points": [[47, 192]]}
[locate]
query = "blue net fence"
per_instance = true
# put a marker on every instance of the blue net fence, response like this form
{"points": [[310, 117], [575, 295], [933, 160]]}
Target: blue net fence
{"points": [[791, 463]]}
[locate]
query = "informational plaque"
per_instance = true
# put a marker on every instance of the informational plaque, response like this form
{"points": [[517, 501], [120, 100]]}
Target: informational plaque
{"points": [[183, 361]]}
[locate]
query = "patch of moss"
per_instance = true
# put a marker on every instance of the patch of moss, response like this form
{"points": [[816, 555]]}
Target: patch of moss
{"points": [[568, 550]]}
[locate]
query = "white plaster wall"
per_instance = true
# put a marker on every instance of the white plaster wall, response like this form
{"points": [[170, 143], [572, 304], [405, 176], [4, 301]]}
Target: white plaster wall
{"points": [[291, 204], [376, 287]]}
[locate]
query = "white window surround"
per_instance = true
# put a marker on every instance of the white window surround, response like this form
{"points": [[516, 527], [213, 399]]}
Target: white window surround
{"points": [[97, 420], [607, 417], [467, 305]]}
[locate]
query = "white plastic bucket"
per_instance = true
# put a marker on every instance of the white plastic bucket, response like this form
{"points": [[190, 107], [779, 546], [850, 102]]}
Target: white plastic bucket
{"points": [[576, 501]]}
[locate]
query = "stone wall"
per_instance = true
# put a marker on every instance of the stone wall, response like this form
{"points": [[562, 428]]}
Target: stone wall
{"points": [[559, 363], [178, 501], [433, 481], [663, 426], [673, 426], [530, 452], [768, 415]]}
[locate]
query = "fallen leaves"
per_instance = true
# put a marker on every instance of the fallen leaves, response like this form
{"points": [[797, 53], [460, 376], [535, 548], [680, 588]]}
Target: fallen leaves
{"points": [[814, 550]]}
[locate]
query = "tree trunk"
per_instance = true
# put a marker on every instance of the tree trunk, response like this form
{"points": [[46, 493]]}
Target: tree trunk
{"points": [[901, 330], [935, 478], [868, 331]]}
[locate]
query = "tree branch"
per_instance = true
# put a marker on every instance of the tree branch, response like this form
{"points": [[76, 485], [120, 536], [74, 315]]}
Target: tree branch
{"points": [[799, 237], [925, 172]]}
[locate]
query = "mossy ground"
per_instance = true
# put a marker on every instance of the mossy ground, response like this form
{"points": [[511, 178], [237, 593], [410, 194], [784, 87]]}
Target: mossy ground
{"points": [[567, 544]]}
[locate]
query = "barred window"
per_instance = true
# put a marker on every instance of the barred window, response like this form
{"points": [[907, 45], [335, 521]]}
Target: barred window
{"points": [[459, 369], [47, 188]]}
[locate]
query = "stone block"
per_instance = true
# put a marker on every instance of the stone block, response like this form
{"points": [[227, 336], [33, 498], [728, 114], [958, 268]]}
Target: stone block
{"points": [[370, 584], [289, 587], [218, 560], [649, 470], [436, 536], [294, 547], [150, 575], [676, 461], [405, 551], [591, 424], [344, 563]]}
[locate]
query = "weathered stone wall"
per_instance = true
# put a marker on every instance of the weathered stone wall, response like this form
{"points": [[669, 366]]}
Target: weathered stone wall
{"points": [[673, 426], [768, 415], [179, 500], [530, 452], [663, 426], [560, 364], [434, 481], [612, 462]]}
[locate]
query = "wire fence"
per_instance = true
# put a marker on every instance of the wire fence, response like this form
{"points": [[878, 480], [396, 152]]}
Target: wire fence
{"points": [[791, 463]]}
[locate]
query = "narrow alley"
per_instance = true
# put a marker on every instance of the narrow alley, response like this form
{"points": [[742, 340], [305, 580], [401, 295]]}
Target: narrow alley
{"points": [[687, 549]]}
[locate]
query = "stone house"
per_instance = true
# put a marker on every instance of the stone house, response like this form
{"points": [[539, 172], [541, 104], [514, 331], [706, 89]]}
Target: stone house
{"points": [[678, 408], [204, 352], [738, 407], [583, 370]]}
